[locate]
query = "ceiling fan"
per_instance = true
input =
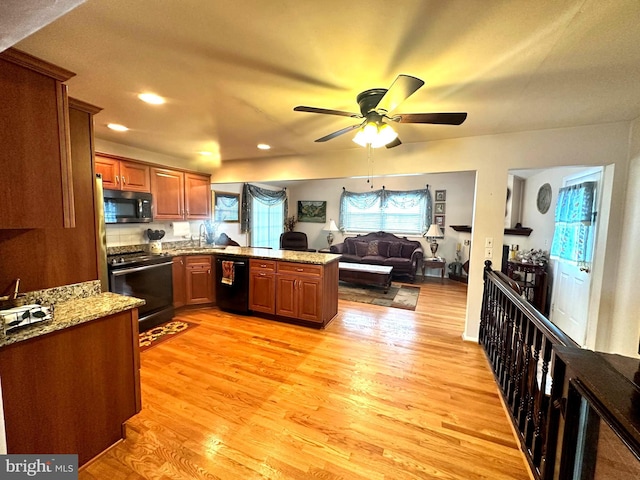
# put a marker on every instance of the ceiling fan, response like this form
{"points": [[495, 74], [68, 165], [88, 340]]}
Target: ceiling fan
{"points": [[377, 105]]}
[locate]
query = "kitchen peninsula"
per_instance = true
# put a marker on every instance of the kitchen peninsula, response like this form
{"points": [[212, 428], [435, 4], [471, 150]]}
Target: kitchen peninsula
{"points": [[285, 284]]}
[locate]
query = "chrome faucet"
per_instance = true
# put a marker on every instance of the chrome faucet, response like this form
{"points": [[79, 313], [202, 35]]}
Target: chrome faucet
{"points": [[201, 235]]}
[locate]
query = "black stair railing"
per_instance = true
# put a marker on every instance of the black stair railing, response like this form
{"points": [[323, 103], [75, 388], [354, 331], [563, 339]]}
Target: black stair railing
{"points": [[518, 342]]}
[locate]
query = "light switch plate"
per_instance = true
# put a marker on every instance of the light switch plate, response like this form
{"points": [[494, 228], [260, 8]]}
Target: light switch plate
{"points": [[488, 242], [488, 253]]}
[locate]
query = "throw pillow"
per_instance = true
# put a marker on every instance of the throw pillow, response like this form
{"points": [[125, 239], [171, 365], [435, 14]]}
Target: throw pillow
{"points": [[407, 250], [373, 248], [383, 249], [349, 246], [395, 249], [362, 248]]}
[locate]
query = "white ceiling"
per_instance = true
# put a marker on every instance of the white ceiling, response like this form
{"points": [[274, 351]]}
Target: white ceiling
{"points": [[232, 71]]}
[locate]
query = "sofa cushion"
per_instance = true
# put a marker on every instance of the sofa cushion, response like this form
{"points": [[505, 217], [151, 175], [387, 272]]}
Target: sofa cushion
{"points": [[373, 259], [351, 246], [383, 248], [399, 264], [395, 249], [362, 248], [350, 258], [407, 250]]}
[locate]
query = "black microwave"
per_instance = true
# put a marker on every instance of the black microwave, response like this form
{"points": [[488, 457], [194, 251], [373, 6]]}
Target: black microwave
{"points": [[127, 207]]}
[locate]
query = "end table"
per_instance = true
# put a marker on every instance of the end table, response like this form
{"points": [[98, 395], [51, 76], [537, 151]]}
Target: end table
{"points": [[436, 263]]}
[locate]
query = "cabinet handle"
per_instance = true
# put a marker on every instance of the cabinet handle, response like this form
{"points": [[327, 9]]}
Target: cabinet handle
{"points": [[262, 274], [187, 212], [209, 271], [263, 265], [181, 262], [117, 179], [299, 269], [124, 180]]}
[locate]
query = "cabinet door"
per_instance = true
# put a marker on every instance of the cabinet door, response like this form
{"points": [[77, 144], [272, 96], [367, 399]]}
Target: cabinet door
{"points": [[309, 293], [167, 188], [134, 177], [179, 282], [262, 291], [197, 196], [199, 276], [286, 296], [109, 168]]}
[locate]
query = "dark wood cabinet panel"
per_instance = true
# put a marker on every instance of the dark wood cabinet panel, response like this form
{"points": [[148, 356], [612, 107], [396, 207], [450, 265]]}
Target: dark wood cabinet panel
{"points": [[286, 296], [63, 255], [34, 138], [59, 398], [262, 286], [179, 282]]}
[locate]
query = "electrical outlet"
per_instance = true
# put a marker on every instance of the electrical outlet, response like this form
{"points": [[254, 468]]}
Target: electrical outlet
{"points": [[488, 242], [488, 252]]}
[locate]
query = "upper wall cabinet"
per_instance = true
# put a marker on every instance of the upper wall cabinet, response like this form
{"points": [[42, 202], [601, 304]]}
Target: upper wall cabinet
{"points": [[122, 174], [36, 184], [180, 195]]}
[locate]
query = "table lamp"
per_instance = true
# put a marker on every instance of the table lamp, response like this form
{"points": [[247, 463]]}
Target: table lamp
{"points": [[330, 227], [432, 234]]}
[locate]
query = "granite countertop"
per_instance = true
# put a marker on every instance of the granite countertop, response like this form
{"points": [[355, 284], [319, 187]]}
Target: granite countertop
{"points": [[72, 312], [264, 253]]}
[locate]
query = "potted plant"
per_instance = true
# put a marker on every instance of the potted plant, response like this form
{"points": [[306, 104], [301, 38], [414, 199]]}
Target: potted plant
{"points": [[290, 223]]}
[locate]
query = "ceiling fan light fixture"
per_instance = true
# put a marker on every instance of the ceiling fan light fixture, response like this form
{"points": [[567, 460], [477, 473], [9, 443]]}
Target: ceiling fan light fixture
{"points": [[378, 135]]}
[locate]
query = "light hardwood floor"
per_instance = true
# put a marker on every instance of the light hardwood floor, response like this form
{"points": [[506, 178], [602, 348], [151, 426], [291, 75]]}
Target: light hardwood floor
{"points": [[381, 393]]}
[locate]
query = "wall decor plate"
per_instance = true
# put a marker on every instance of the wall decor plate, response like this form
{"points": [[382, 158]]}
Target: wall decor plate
{"points": [[544, 198]]}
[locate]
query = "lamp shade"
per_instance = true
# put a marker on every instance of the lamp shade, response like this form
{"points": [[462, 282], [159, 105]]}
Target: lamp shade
{"points": [[331, 227], [434, 232]]}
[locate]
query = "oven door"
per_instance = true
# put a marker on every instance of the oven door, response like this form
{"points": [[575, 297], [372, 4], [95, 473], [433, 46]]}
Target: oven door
{"points": [[153, 284]]}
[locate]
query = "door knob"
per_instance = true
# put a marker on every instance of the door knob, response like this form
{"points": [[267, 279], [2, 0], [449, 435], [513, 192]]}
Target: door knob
{"points": [[585, 269]]}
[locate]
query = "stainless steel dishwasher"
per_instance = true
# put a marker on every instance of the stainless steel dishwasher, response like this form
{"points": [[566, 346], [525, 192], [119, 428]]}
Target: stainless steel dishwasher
{"points": [[232, 283]]}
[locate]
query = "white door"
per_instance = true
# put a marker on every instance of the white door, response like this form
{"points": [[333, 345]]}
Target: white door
{"points": [[572, 284]]}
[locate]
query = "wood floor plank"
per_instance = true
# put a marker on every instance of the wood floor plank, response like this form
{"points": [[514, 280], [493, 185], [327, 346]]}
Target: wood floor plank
{"points": [[381, 393]]}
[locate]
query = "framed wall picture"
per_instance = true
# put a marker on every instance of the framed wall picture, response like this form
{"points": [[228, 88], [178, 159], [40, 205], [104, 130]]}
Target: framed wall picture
{"points": [[439, 219], [312, 211], [441, 195], [226, 207], [439, 208]]}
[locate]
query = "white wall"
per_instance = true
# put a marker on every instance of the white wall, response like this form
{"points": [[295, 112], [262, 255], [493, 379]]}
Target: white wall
{"points": [[492, 156]]}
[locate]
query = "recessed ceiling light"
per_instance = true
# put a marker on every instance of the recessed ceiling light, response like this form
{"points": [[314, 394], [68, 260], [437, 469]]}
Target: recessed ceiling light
{"points": [[264, 146], [206, 154], [117, 127], [151, 98]]}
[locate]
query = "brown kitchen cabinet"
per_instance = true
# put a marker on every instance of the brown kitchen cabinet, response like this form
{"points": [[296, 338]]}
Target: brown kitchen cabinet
{"points": [[199, 279], [262, 286], [71, 391], [298, 291], [121, 174], [35, 153], [180, 195], [179, 282]]}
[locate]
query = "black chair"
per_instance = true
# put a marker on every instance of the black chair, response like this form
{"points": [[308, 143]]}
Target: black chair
{"points": [[295, 241]]}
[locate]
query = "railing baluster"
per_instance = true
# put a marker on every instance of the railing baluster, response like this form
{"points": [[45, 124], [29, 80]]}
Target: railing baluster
{"points": [[518, 343]]}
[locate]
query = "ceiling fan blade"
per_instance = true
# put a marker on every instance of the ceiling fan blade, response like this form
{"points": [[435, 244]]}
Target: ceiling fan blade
{"points": [[338, 133], [438, 118], [326, 111], [394, 143], [401, 89]]}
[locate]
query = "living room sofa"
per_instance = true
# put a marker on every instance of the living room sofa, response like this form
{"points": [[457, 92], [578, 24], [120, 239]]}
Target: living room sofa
{"points": [[382, 248]]}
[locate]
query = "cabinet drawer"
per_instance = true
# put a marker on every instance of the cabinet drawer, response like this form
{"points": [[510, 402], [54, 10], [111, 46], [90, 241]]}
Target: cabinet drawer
{"points": [[262, 265], [300, 268], [198, 261]]}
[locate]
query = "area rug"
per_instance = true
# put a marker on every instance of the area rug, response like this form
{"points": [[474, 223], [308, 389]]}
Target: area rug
{"points": [[398, 296], [162, 333]]}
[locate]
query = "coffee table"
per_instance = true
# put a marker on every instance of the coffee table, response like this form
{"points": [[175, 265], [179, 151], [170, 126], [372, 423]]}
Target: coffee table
{"points": [[365, 274]]}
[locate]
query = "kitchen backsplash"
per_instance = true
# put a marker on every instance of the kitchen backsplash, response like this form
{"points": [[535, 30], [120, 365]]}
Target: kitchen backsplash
{"points": [[122, 235]]}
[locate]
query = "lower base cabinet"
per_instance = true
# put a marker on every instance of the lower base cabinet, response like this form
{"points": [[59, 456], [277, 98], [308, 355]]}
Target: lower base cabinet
{"points": [[298, 291], [193, 280], [70, 391]]}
